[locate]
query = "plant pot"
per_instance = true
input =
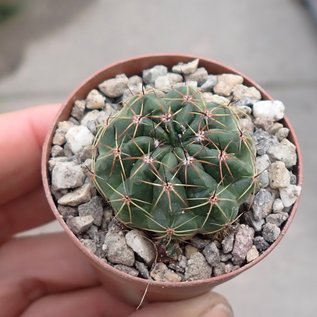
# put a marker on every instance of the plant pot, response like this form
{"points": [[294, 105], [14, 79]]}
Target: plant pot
{"points": [[127, 287]]}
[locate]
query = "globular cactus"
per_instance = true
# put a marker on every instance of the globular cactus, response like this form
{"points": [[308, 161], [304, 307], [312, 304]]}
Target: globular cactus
{"points": [[175, 165]]}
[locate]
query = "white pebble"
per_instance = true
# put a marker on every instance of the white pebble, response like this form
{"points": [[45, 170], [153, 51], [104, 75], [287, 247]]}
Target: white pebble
{"points": [[78, 137], [269, 110], [290, 194]]}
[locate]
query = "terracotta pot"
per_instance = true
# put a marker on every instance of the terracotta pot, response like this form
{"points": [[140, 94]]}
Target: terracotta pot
{"points": [[131, 289]]}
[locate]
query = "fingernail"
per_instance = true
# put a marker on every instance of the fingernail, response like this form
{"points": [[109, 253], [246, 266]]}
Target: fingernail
{"points": [[220, 310]]}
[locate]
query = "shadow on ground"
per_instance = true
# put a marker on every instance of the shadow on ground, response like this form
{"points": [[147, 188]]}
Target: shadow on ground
{"points": [[30, 20]]}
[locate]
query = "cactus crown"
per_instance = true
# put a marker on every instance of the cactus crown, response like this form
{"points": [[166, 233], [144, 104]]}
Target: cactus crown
{"points": [[175, 165]]}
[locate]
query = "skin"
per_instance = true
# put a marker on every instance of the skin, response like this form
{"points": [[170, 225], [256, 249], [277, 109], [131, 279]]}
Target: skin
{"points": [[46, 276]]}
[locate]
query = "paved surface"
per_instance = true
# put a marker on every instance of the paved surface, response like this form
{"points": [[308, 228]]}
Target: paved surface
{"points": [[274, 42]]}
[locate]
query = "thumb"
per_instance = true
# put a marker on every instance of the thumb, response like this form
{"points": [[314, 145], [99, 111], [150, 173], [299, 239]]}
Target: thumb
{"points": [[208, 305]]}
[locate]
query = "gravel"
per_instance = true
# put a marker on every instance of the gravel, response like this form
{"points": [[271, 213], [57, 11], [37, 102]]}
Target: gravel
{"points": [[116, 248], [262, 204], [94, 207], [76, 197], [197, 268], [243, 243], [226, 83], [162, 273], [186, 68], [80, 224], [269, 110], [141, 245], [78, 137], [92, 220], [284, 151], [211, 253], [67, 175], [279, 175], [95, 100], [114, 87]]}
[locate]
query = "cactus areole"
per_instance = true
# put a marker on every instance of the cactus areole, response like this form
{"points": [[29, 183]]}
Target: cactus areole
{"points": [[175, 165]]}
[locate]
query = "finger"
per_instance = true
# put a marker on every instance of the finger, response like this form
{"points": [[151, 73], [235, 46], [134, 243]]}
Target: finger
{"points": [[25, 212], [21, 137], [36, 266], [208, 305], [94, 302]]}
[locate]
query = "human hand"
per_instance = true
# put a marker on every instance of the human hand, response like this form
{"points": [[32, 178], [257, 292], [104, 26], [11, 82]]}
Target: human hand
{"points": [[46, 276]]}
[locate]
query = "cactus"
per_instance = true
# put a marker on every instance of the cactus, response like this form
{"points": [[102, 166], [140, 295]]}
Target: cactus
{"points": [[175, 165]]}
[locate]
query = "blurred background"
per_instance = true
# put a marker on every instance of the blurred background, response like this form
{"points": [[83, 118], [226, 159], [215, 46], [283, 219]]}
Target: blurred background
{"points": [[49, 47]]}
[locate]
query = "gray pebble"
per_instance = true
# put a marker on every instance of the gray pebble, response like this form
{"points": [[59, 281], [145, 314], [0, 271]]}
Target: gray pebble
{"points": [[141, 245], [143, 270], [277, 218], [263, 180], [127, 269], [186, 68], [132, 91], [66, 175], [211, 253], [93, 119], [262, 204], [285, 151], [59, 137], [262, 163], [263, 124], [278, 205], [227, 243], [93, 207], [275, 127], [197, 268], [289, 195], [114, 87], [57, 150], [255, 224], [226, 84], [67, 211], [282, 133], [270, 232], [116, 248], [85, 154], [200, 75], [79, 225], [90, 245], [243, 243], [260, 243], [225, 257], [135, 80], [209, 83], [293, 178], [78, 109], [151, 74], [162, 273], [245, 95], [78, 137], [224, 268], [279, 175], [198, 242], [76, 197], [263, 141], [95, 100]]}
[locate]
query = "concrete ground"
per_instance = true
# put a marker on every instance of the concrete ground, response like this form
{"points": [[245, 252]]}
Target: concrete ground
{"points": [[52, 46]]}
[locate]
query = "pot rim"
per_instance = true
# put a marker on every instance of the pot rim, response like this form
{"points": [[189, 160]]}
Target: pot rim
{"points": [[101, 264]]}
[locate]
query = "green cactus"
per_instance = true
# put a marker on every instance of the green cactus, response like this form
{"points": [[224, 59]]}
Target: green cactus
{"points": [[175, 165]]}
